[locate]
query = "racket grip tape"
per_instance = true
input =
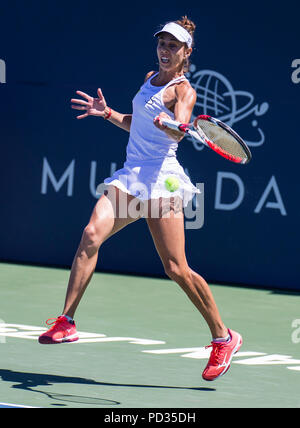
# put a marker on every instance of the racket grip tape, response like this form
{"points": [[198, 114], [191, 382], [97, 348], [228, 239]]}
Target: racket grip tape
{"points": [[172, 124]]}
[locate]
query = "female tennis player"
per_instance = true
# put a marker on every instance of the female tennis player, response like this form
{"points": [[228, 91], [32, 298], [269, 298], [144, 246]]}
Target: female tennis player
{"points": [[151, 159]]}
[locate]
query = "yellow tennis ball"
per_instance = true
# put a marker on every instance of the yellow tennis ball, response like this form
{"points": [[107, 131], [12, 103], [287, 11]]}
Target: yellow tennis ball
{"points": [[172, 184]]}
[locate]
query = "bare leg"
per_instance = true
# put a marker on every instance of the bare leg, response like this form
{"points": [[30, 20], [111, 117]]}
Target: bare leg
{"points": [[169, 239], [104, 223]]}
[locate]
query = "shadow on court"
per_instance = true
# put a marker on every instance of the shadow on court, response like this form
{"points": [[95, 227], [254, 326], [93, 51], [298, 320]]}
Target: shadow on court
{"points": [[27, 381], [286, 292]]}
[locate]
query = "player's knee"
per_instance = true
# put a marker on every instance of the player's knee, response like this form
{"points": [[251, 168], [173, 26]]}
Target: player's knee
{"points": [[90, 237], [178, 272]]}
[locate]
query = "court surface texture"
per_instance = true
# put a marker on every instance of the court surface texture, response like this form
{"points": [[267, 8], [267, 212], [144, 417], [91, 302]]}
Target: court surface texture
{"points": [[142, 345]]}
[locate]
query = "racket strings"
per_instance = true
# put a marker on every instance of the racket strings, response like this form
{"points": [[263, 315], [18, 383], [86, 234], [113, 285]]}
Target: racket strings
{"points": [[221, 138]]}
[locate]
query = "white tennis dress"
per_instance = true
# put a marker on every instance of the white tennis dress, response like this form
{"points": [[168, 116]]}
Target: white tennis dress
{"points": [[151, 154]]}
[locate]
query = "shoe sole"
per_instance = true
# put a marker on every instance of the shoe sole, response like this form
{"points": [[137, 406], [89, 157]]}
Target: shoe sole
{"points": [[46, 340], [235, 350]]}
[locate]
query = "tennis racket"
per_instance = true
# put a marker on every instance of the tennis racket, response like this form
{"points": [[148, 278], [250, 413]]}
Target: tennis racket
{"points": [[216, 135]]}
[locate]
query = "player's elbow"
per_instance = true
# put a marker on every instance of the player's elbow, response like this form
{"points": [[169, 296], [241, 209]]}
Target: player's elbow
{"points": [[175, 135], [179, 137]]}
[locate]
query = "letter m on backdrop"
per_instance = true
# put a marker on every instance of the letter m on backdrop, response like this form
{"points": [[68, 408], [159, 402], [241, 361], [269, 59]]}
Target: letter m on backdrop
{"points": [[68, 176]]}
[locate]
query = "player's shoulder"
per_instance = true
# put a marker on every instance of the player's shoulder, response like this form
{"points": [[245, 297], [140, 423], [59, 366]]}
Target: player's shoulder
{"points": [[148, 75], [184, 88], [184, 85]]}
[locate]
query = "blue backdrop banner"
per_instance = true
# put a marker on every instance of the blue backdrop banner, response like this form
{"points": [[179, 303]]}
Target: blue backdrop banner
{"points": [[245, 69]]}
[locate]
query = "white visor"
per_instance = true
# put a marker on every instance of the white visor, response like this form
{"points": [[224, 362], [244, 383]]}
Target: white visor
{"points": [[178, 32]]}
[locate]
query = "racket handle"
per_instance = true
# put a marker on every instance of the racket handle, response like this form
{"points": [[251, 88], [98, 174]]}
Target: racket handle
{"points": [[183, 127], [172, 124]]}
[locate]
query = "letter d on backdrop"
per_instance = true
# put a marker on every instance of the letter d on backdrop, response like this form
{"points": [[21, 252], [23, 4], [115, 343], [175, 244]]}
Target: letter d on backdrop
{"points": [[241, 191]]}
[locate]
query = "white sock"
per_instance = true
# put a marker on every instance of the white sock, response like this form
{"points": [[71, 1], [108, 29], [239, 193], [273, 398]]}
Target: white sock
{"points": [[68, 318], [222, 339]]}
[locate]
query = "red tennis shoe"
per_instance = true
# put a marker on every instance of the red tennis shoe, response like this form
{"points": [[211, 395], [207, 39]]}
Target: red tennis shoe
{"points": [[221, 356], [61, 331]]}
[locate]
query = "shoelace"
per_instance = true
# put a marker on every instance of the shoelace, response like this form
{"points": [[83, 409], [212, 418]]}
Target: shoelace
{"points": [[216, 355], [54, 322]]}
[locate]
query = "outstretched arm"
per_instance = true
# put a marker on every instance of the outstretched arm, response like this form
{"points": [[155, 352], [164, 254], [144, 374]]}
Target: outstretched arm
{"points": [[98, 107]]}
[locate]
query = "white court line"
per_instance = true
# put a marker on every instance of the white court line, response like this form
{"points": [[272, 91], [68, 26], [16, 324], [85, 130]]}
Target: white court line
{"points": [[17, 405]]}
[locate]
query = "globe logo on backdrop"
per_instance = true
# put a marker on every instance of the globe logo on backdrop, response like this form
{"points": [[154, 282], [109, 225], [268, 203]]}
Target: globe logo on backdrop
{"points": [[217, 97]]}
